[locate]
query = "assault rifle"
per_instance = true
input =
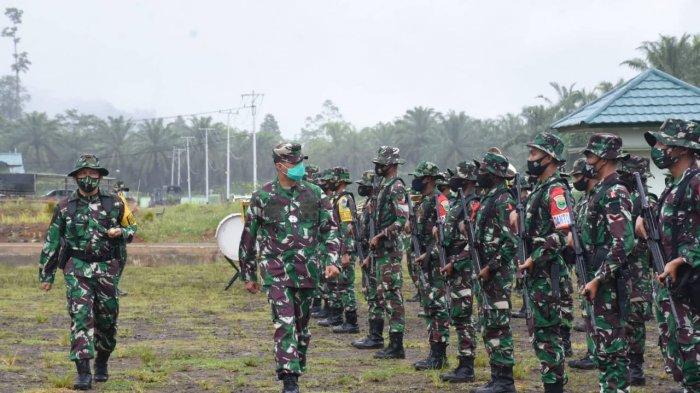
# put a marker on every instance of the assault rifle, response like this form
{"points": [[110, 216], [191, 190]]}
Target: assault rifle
{"points": [[522, 250]]}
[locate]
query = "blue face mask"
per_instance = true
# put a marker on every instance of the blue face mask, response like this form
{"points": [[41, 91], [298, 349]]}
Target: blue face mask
{"points": [[297, 172]]}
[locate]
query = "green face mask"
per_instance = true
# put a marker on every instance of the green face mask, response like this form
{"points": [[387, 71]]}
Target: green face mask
{"points": [[88, 184], [297, 172], [661, 158]]}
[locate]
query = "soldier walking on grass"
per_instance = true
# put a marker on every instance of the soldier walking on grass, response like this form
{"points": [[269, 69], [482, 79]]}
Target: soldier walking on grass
{"points": [[288, 217], [84, 240]]}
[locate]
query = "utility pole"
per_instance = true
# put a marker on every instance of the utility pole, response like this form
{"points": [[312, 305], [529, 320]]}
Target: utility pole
{"points": [[228, 151], [206, 161], [189, 178], [253, 105], [172, 169], [178, 165]]}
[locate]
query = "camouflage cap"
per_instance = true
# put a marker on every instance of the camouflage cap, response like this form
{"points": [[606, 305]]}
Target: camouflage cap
{"points": [[88, 161], [442, 180], [426, 168], [635, 164], [326, 175], [579, 166], [549, 143], [119, 186], [341, 174], [496, 164], [606, 146], [366, 179], [465, 170], [387, 155], [676, 132], [288, 152]]}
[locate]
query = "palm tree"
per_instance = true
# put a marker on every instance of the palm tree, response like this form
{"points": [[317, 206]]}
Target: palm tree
{"points": [[416, 130], [38, 138], [153, 152], [114, 141], [677, 56], [455, 138]]}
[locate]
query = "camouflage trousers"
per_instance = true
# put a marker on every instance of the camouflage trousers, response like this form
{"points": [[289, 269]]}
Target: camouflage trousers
{"points": [[435, 305], [640, 313], [611, 346], [375, 309], [497, 336], [566, 299], [93, 306], [462, 310], [346, 289], [389, 281], [682, 342], [545, 335], [290, 316], [331, 291], [413, 271]]}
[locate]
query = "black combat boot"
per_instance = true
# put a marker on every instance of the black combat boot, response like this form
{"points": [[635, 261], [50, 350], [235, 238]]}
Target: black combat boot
{"points": [[84, 379], [350, 325], [637, 370], [501, 381], [395, 348], [463, 373], [101, 374], [322, 311], [335, 318], [290, 382], [374, 339], [565, 333], [519, 314], [436, 360], [557, 387], [585, 363]]}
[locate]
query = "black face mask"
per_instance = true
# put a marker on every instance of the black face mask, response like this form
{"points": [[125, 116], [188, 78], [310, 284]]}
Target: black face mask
{"points": [[380, 170], [581, 184], [484, 180], [457, 184], [535, 168], [364, 191], [417, 184], [662, 158], [88, 184], [590, 171]]}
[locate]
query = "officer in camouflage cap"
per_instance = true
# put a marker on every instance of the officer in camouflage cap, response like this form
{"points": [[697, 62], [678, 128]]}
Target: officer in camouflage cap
{"points": [[676, 147], [331, 313], [286, 218], [497, 251], [607, 236], [311, 172], [84, 240]]}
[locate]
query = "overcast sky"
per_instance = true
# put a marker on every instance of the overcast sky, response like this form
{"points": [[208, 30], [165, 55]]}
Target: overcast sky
{"points": [[374, 59]]}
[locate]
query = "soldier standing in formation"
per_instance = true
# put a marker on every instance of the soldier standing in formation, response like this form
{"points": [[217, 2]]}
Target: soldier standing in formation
{"points": [[287, 218], [84, 240]]}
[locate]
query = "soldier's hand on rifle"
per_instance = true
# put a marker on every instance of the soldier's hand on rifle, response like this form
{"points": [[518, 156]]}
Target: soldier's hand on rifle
{"points": [[252, 287], [447, 270], [374, 242], [45, 286], [332, 271], [528, 264], [570, 240], [462, 228], [639, 228], [435, 232], [345, 260], [114, 232], [671, 269], [485, 274], [407, 227], [419, 259], [513, 220], [365, 262], [591, 289]]}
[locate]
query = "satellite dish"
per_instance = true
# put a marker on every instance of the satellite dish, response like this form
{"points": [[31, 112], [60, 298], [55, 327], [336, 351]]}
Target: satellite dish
{"points": [[228, 235]]}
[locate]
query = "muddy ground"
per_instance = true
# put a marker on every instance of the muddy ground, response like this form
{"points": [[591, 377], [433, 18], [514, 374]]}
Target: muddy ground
{"points": [[179, 332]]}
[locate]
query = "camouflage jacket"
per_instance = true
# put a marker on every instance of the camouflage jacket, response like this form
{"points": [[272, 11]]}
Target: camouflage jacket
{"points": [[493, 233], [456, 243], [426, 218], [686, 242], [547, 222], [607, 228], [639, 259], [85, 234], [391, 215], [289, 225], [344, 219]]}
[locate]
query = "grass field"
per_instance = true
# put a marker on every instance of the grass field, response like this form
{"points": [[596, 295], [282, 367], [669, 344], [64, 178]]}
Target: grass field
{"points": [[179, 332]]}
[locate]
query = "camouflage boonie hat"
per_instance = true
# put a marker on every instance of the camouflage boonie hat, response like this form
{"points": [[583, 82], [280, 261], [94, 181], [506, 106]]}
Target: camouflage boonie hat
{"points": [[326, 175], [388, 155], [579, 166], [676, 132], [442, 181], [606, 146], [496, 164], [366, 179], [426, 168], [341, 174], [464, 170], [550, 144], [119, 186], [635, 164], [88, 161], [288, 152]]}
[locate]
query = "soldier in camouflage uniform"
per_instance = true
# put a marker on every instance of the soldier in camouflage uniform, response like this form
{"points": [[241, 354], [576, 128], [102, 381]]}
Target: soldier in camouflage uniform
{"points": [[287, 218], [84, 239], [434, 300], [496, 243], [322, 311], [460, 269], [128, 220], [607, 238], [374, 338], [331, 287], [640, 271], [676, 147], [311, 175], [583, 182], [346, 279], [547, 223], [390, 216]]}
